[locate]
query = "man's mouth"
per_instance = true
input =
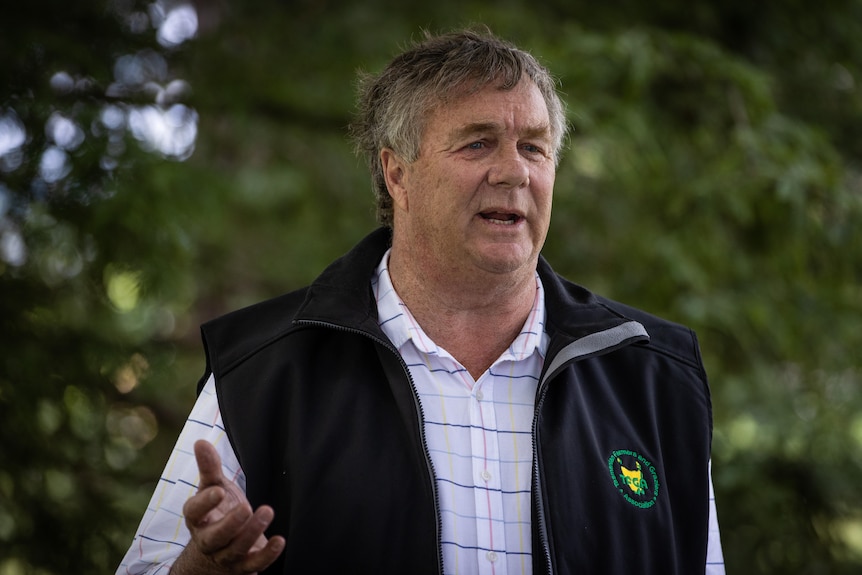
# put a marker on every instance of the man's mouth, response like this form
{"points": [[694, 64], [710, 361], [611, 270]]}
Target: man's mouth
{"points": [[501, 218]]}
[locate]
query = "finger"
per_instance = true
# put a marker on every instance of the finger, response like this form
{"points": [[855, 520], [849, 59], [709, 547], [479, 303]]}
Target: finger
{"points": [[258, 552], [198, 506], [209, 464], [231, 547], [251, 534], [222, 538], [263, 558]]}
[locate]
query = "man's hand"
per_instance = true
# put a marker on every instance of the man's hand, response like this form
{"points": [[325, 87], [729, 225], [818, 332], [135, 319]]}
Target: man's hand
{"points": [[227, 537]]}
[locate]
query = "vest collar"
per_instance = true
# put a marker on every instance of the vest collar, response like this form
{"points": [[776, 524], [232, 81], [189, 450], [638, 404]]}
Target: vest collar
{"points": [[341, 296]]}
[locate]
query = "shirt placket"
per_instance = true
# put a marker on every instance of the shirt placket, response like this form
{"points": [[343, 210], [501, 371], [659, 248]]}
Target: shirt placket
{"points": [[487, 475]]}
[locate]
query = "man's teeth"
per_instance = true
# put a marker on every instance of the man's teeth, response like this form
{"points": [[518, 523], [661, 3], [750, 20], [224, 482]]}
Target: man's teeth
{"points": [[506, 220]]}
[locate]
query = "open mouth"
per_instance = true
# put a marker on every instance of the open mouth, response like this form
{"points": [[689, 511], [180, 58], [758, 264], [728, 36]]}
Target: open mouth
{"points": [[501, 218]]}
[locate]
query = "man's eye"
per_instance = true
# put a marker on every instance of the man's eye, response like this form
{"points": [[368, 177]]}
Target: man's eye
{"points": [[531, 148], [476, 145]]}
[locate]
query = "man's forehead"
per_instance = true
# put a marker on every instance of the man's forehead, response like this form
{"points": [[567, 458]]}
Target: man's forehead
{"points": [[475, 111]]}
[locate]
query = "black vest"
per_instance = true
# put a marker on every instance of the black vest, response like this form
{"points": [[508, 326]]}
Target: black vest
{"points": [[322, 415]]}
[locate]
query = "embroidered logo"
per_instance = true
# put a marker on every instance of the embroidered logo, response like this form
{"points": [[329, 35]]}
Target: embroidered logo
{"points": [[634, 477]]}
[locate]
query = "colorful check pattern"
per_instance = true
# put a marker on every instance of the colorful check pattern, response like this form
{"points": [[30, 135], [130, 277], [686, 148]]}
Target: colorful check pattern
{"points": [[478, 434], [714, 554], [162, 534]]}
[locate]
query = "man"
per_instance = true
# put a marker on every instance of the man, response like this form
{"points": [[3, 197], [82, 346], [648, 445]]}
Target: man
{"points": [[438, 400]]}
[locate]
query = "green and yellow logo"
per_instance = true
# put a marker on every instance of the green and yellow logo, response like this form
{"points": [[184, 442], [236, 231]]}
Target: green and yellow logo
{"points": [[635, 477]]}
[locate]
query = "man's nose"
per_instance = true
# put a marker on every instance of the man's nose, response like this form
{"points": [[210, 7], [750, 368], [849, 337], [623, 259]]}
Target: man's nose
{"points": [[509, 168]]}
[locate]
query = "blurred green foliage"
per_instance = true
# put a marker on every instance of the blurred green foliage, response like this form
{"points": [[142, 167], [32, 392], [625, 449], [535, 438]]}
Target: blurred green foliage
{"points": [[151, 179]]}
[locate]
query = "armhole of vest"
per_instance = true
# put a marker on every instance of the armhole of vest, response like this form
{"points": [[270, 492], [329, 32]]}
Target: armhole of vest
{"points": [[705, 382], [208, 369]]}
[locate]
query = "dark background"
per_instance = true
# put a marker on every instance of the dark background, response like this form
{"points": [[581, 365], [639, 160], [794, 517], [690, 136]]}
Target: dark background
{"points": [[162, 163]]}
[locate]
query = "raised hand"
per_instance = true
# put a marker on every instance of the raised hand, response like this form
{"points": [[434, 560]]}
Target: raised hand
{"points": [[226, 535]]}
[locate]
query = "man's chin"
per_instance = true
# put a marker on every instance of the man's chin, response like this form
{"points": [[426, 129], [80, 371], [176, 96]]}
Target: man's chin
{"points": [[506, 260]]}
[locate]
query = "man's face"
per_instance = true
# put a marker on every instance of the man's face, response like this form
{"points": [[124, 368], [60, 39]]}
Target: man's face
{"points": [[479, 194]]}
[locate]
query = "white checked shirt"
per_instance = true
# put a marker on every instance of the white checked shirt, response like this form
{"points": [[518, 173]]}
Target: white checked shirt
{"points": [[478, 435]]}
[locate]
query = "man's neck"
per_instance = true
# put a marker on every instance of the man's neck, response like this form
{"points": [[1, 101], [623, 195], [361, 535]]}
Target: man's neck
{"points": [[473, 318]]}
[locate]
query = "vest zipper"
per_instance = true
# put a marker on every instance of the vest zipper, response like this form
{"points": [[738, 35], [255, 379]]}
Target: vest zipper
{"points": [[589, 346], [419, 411], [541, 527]]}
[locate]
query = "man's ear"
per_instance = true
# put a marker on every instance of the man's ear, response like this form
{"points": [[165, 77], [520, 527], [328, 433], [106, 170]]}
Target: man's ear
{"points": [[395, 174]]}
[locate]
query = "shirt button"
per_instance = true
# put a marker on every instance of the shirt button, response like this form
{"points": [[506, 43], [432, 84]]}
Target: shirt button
{"points": [[479, 395], [486, 475], [491, 556]]}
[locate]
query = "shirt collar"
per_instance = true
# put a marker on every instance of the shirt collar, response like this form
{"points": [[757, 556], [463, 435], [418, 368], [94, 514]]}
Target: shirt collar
{"points": [[400, 326]]}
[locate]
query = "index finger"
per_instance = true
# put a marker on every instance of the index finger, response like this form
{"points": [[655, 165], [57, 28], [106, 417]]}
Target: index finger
{"points": [[209, 465]]}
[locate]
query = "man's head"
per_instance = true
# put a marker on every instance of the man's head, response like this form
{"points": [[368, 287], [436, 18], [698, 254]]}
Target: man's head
{"points": [[395, 105]]}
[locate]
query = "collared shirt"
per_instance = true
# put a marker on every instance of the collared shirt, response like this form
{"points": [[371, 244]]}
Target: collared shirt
{"points": [[482, 466], [479, 435]]}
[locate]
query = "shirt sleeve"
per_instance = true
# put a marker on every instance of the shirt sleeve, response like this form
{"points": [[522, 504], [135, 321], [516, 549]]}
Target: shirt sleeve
{"points": [[162, 534], [714, 555]]}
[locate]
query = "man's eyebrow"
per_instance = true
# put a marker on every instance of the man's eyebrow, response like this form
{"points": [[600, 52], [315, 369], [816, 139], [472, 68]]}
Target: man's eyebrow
{"points": [[474, 128], [535, 131]]}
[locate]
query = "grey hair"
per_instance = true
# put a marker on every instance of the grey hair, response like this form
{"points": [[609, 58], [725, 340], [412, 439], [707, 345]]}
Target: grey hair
{"points": [[394, 105]]}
